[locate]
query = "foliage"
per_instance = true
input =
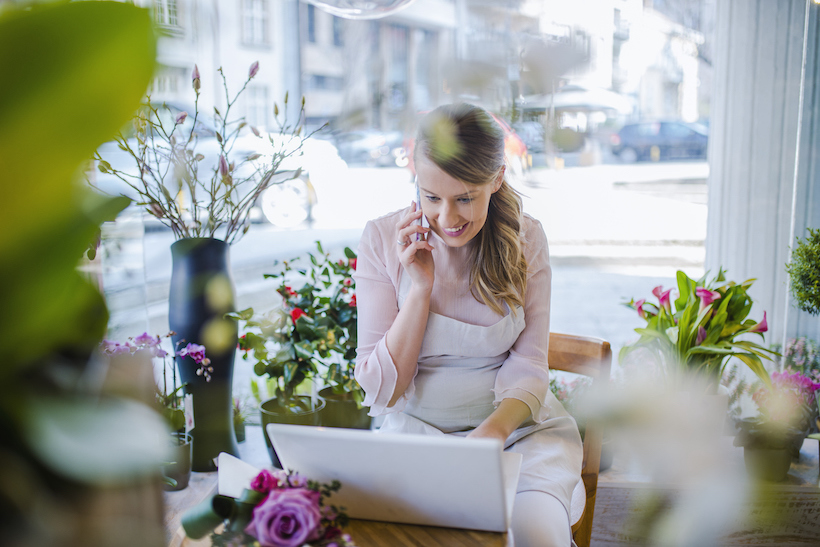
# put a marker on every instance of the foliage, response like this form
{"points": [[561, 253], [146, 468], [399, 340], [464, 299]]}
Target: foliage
{"points": [[804, 272], [315, 328], [176, 183], [72, 74], [760, 433], [703, 330]]}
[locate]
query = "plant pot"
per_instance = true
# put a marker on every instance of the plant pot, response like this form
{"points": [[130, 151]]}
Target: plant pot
{"points": [[239, 429], [201, 293], [341, 410], [768, 464], [272, 413], [180, 469]]}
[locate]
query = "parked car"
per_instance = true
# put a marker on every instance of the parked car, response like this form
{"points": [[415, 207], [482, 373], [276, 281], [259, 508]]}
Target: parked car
{"points": [[660, 140], [370, 147]]}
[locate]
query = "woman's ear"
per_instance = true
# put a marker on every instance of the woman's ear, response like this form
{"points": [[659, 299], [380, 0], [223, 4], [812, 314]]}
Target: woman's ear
{"points": [[499, 180]]}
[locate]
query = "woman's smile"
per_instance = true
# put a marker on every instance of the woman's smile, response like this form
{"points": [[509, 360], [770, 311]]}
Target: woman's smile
{"points": [[456, 211]]}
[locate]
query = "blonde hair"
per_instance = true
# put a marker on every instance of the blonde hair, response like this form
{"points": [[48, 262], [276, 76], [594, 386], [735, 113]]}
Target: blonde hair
{"points": [[466, 143]]}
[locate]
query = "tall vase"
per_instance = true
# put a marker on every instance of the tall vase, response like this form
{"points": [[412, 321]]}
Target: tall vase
{"points": [[201, 293]]}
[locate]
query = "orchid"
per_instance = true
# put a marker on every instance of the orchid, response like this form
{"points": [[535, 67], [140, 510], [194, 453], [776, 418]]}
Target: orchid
{"points": [[706, 326]]}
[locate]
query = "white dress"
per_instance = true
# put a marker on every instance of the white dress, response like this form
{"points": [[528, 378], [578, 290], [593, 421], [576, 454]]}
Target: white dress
{"points": [[459, 377]]}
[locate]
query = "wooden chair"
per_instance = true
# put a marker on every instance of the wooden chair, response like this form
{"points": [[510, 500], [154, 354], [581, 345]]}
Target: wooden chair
{"points": [[591, 357]]}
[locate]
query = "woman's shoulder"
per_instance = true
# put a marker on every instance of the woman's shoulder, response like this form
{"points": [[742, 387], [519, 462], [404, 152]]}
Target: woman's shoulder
{"points": [[386, 222], [532, 232]]}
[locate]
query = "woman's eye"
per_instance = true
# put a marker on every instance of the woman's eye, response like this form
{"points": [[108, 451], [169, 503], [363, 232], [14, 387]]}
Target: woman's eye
{"points": [[465, 200], [432, 199]]}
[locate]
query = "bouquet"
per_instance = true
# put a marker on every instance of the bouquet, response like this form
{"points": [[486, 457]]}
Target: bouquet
{"points": [[702, 327], [280, 509]]}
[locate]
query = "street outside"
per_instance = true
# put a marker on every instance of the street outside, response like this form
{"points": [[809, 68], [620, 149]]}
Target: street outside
{"points": [[615, 232]]}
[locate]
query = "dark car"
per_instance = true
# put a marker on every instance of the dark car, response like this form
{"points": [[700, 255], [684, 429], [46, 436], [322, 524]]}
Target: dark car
{"points": [[660, 140]]}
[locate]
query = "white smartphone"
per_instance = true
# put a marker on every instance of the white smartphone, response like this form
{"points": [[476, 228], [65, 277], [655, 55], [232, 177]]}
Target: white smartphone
{"points": [[423, 220]]}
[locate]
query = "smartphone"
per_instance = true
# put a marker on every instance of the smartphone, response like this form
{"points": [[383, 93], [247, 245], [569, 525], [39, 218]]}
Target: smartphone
{"points": [[423, 220]]}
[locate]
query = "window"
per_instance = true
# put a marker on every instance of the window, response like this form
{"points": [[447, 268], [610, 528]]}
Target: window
{"points": [[256, 106], [326, 83], [166, 13], [167, 82], [337, 32], [255, 21], [311, 23]]}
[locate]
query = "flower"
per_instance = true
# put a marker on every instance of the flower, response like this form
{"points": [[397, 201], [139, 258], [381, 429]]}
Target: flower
{"points": [[253, 70], [195, 81], [287, 518], [110, 347], [352, 263], [639, 306], [761, 327], [706, 296], [347, 282], [663, 297], [181, 117], [296, 313], [353, 303], [194, 351], [265, 481]]}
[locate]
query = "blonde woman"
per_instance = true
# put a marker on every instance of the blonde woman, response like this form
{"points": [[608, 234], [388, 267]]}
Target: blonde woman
{"points": [[454, 319]]}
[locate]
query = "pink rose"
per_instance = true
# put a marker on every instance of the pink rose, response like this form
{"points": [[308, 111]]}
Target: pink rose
{"points": [[264, 482], [287, 518]]}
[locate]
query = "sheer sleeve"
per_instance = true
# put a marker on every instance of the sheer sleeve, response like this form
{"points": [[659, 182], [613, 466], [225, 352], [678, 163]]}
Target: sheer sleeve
{"points": [[377, 303], [525, 373]]}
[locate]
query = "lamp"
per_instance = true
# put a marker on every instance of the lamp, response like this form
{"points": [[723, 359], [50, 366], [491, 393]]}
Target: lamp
{"points": [[361, 9]]}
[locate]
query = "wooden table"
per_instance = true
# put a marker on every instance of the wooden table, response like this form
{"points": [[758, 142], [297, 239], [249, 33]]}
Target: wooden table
{"points": [[365, 533], [786, 513]]}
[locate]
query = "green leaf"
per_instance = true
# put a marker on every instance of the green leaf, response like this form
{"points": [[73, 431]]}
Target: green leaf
{"points": [[349, 253], [303, 350], [105, 442], [244, 315], [756, 366], [291, 368]]}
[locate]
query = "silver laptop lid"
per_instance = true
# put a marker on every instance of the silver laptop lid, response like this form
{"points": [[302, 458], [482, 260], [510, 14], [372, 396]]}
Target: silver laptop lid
{"points": [[416, 479]]}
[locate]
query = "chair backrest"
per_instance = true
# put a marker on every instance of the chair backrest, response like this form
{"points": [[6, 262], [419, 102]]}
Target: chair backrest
{"points": [[591, 357]]}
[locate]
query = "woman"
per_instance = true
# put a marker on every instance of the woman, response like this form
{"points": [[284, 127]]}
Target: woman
{"points": [[454, 319]]}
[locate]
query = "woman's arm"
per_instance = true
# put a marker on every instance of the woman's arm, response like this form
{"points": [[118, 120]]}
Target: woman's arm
{"points": [[505, 419], [390, 339]]}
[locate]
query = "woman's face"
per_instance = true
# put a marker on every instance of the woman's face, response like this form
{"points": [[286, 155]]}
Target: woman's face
{"points": [[456, 210]]}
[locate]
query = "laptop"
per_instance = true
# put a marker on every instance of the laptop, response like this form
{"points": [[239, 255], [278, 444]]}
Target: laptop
{"points": [[415, 479]]}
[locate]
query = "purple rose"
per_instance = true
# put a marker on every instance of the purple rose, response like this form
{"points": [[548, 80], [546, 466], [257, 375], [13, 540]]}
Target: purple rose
{"points": [[288, 517]]}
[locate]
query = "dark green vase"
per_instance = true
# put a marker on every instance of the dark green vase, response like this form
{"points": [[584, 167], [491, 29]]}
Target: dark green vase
{"points": [[180, 469], [272, 413], [202, 292], [341, 410]]}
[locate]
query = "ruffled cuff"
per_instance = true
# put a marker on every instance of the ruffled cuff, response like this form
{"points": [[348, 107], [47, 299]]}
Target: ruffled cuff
{"points": [[540, 410], [378, 377]]}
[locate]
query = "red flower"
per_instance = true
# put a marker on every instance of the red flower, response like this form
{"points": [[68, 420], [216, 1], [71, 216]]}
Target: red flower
{"points": [[290, 290], [347, 282], [241, 343], [296, 313], [353, 301], [353, 263]]}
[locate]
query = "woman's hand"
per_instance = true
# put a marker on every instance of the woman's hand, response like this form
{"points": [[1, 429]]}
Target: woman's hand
{"points": [[416, 256], [505, 419]]}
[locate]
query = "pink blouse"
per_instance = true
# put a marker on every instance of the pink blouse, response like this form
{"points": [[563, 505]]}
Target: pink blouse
{"points": [[524, 375]]}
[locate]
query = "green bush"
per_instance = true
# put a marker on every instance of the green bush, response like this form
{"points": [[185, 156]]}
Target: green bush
{"points": [[804, 271]]}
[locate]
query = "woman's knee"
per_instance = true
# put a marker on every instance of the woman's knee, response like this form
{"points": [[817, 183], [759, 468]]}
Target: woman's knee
{"points": [[540, 520]]}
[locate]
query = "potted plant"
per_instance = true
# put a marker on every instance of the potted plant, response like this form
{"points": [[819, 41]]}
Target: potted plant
{"points": [[804, 272], [701, 329], [785, 409], [202, 185], [170, 399]]}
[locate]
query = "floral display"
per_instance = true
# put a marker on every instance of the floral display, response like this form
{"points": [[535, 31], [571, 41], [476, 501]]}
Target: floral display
{"points": [[804, 272], [700, 329], [791, 399], [193, 194], [280, 509], [313, 332]]}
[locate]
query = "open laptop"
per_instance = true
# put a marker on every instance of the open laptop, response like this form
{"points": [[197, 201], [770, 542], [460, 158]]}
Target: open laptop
{"points": [[416, 479]]}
